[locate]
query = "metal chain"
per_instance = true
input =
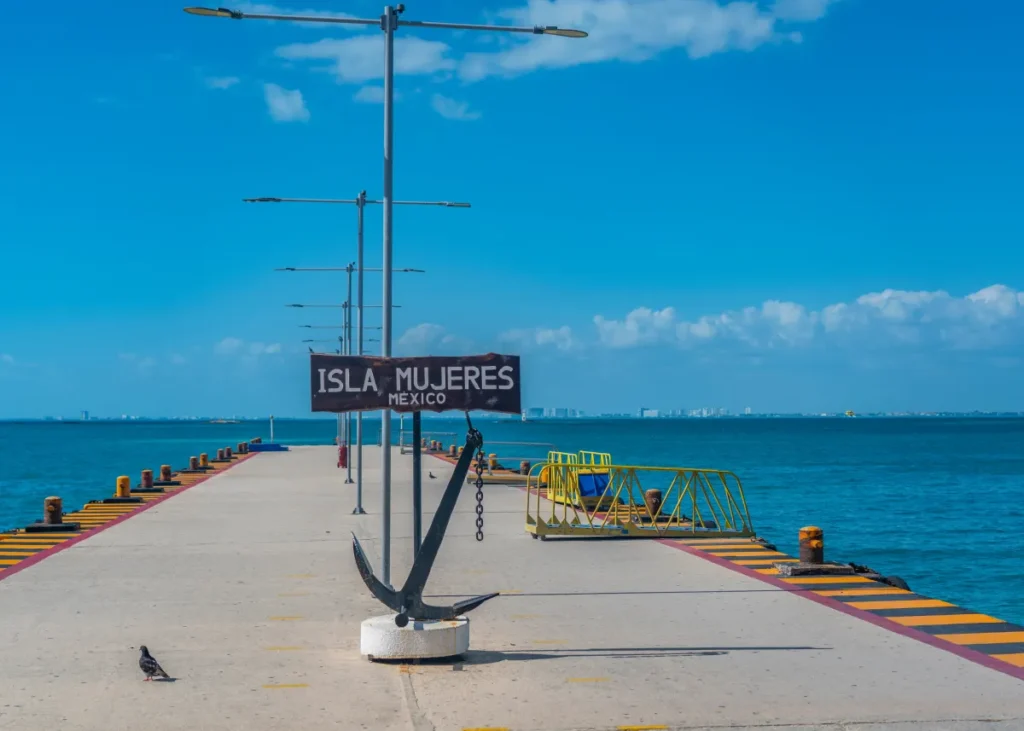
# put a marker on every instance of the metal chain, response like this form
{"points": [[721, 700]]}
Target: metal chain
{"points": [[480, 494]]}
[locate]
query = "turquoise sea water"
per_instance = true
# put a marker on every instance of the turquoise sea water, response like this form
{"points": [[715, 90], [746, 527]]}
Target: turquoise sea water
{"points": [[939, 502]]}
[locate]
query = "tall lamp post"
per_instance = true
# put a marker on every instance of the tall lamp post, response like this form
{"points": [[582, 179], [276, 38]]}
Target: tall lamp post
{"points": [[389, 22], [358, 510], [345, 349]]}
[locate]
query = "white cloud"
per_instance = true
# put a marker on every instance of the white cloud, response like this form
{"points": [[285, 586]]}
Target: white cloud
{"points": [[800, 10], [989, 318], [452, 109], [267, 9], [641, 326], [178, 359], [560, 338], [359, 59], [370, 95], [638, 30], [285, 105], [430, 339], [237, 346], [264, 349], [6, 358], [228, 346], [142, 362], [221, 82]]}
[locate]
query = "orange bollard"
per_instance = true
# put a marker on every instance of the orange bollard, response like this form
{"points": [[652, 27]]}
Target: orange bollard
{"points": [[165, 473], [812, 545], [53, 511]]}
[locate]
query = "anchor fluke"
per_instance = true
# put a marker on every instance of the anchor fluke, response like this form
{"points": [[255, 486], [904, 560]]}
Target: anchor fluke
{"points": [[408, 603]]}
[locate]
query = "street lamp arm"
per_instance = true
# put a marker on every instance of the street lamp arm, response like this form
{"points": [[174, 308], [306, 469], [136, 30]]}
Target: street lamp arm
{"points": [[300, 200], [236, 15], [550, 30], [354, 201], [442, 204]]}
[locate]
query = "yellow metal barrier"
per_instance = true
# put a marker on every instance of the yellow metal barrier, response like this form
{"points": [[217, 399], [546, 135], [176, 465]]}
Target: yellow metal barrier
{"points": [[595, 458], [611, 502], [561, 479]]}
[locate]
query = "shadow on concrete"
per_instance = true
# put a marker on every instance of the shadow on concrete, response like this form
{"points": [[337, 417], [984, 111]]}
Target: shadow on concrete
{"points": [[611, 593], [490, 657]]}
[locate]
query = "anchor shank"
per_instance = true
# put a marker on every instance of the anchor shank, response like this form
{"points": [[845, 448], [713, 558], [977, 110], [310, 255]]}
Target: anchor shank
{"points": [[424, 562]]}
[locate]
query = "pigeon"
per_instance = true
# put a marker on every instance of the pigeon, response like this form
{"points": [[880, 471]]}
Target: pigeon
{"points": [[150, 666], [430, 475]]}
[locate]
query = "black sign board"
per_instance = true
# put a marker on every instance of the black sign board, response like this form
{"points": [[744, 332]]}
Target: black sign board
{"points": [[341, 383]]}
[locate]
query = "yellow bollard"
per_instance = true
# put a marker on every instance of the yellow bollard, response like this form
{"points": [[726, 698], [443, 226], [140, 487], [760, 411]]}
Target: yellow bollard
{"points": [[53, 511], [492, 461], [204, 460], [812, 544], [124, 486]]}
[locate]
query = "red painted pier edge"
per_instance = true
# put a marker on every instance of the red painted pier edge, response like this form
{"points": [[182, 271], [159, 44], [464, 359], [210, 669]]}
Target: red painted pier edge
{"points": [[41, 555], [968, 654]]}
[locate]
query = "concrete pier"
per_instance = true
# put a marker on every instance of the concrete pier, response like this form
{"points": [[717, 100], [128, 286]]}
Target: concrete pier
{"points": [[244, 588]]}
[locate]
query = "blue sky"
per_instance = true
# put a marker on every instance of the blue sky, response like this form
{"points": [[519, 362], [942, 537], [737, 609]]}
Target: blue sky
{"points": [[791, 205]]}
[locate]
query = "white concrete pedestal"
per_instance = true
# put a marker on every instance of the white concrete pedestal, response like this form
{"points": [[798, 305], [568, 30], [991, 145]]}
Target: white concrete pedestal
{"points": [[381, 639]]}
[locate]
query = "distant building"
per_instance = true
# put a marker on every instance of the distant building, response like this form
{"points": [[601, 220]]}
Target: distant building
{"points": [[85, 416], [535, 413], [648, 413], [747, 411], [561, 413]]}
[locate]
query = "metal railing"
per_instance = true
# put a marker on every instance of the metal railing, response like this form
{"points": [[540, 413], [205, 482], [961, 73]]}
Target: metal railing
{"points": [[598, 499]]}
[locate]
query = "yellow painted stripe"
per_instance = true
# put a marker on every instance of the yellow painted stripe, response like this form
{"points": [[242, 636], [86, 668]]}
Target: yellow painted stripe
{"points": [[1016, 658], [767, 572], [763, 561], [29, 544], [286, 685], [587, 680], [860, 592], [741, 554], [946, 619], [904, 604], [284, 619], [984, 638], [827, 580], [736, 546], [10, 561]]}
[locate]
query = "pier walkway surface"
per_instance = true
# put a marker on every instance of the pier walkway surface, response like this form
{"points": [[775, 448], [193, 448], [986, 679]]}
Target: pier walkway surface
{"points": [[245, 589]]}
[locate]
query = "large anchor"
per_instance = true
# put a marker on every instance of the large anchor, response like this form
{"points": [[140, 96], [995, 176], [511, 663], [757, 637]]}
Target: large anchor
{"points": [[408, 602]]}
